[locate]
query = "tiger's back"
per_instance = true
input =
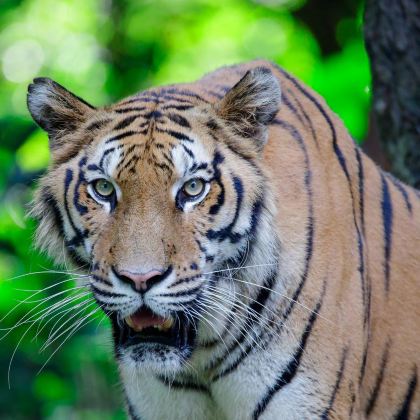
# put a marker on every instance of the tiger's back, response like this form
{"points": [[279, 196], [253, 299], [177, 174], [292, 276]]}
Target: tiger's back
{"points": [[363, 235]]}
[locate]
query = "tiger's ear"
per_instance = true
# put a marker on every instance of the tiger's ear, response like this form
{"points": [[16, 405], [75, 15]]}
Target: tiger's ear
{"points": [[251, 105], [56, 110]]}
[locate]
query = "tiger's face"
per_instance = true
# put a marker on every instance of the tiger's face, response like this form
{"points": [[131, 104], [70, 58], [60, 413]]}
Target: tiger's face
{"points": [[153, 196]]}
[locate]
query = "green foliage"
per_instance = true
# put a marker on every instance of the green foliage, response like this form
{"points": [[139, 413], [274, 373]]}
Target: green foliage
{"points": [[103, 50]]}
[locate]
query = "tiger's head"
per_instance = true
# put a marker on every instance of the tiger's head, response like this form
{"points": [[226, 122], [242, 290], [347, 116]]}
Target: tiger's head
{"points": [[152, 197]]}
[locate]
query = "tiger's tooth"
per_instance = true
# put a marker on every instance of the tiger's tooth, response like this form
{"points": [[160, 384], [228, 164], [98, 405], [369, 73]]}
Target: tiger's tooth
{"points": [[131, 324], [167, 324]]}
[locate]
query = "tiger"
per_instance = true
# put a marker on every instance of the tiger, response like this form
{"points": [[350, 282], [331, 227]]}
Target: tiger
{"points": [[253, 262]]}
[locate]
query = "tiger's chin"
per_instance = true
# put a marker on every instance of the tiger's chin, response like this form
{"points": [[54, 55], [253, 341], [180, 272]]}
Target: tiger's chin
{"points": [[149, 342]]}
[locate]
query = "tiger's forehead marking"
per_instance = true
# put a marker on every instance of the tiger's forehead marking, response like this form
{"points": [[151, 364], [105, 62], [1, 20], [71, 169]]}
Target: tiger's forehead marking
{"points": [[154, 131], [189, 158]]}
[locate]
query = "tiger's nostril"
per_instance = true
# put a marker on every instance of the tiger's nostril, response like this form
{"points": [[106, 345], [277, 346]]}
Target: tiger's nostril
{"points": [[142, 281]]}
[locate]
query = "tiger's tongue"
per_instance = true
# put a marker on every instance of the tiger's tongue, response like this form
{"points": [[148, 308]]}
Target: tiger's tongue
{"points": [[144, 318]]}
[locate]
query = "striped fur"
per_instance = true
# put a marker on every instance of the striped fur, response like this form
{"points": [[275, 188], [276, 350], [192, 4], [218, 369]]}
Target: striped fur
{"points": [[300, 264]]}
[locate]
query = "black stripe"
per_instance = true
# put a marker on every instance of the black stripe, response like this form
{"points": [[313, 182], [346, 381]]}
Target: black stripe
{"points": [[217, 177], [291, 369], [154, 114], [125, 122], [311, 222], [367, 306], [179, 119], [131, 109], [145, 125], [105, 293], [125, 164], [308, 120], [176, 99], [175, 134], [188, 151], [377, 387], [361, 176], [168, 159], [326, 413], [96, 125], [122, 135], [55, 213], [368, 286], [125, 153], [184, 280], [404, 412], [81, 208], [193, 291], [101, 280], [183, 386], [292, 108], [67, 181], [131, 413], [198, 167], [400, 187], [138, 98], [104, 155], [177, 107], [48, 198], [387, 216], [227, 232], [212, 124], [182, 92], [75, 241], [163, 166], [93, 167]]}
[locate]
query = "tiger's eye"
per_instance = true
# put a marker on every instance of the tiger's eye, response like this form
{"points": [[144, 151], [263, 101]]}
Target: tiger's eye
{"points": [[194, 187], [103, 188]]}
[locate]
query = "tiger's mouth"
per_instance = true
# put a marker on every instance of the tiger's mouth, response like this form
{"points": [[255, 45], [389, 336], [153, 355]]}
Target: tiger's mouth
{"points": [[146, 327]]}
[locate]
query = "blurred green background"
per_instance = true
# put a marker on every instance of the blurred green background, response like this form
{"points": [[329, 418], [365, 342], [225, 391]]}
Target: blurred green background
{"points": [[103, 50]]}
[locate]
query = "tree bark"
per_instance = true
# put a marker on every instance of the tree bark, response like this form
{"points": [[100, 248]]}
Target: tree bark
{"points": [[392, 36]]}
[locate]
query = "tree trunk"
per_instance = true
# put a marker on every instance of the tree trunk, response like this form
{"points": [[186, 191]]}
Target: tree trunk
{"points": [[392, 35]]}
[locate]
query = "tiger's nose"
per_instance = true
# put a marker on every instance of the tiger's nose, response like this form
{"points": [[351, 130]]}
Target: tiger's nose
{"points": [[141, 281]]}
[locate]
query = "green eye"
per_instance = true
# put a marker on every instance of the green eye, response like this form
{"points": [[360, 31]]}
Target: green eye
{"points": [[103, 188], [193, 187]]}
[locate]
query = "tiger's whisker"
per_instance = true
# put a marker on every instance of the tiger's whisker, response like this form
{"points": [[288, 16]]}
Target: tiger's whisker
{"points": [[230, 315], [46, 297], [25, 318], [63, 311], [45, 272], [240, 268], [279, 294], [230, 333], [54, 336], [39, 291], [82, 323]]}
